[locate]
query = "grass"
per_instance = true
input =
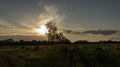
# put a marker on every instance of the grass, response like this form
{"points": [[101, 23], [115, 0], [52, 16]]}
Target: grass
{"points": [[61, 56]]}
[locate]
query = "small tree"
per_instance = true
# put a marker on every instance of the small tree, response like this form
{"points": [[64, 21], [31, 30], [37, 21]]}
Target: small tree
{"points": [[53, 35]]}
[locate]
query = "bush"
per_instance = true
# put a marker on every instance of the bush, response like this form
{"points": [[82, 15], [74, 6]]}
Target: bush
{"points": [[36, 48], [99, 49], [22, 47], [10, 61]]}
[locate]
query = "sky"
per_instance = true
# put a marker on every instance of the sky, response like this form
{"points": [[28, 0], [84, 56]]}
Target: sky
{"points": [[91, 20]]}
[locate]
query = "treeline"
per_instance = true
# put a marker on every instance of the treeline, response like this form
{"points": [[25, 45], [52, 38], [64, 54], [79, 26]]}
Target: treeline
{"points": [[33, 42], [98, 42], [45, 42]]}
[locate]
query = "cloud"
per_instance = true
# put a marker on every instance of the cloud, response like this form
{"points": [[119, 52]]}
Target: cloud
{"points": [[102, 32], [50, 13], [6, 24], [9, 28], [17, 32], [95, 32], [114, 38], [69, 31]]}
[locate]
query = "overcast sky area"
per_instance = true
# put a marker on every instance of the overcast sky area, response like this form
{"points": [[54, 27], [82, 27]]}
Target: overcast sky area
{"points": [[91, 20]]}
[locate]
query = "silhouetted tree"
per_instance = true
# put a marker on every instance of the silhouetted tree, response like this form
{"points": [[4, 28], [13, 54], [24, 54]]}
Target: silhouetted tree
{"points": [[53, 35]]}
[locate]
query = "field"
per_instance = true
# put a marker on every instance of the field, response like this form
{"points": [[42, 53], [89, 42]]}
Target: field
{"points": [[81, 55]]}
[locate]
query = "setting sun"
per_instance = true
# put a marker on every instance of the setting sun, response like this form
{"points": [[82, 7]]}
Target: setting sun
{"points": [[42, 30]]}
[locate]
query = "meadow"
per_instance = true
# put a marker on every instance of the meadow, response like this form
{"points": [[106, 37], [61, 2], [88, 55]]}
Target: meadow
{"points": [[75, 55]]}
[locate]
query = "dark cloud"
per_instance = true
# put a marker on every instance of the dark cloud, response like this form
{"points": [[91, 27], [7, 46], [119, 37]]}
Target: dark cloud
{"points": [[103, 32], [70, 31], [100, 32]]}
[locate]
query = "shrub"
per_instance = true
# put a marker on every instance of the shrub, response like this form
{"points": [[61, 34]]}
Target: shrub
{"points": [[36, 48], [99, 49], [22, 47]]}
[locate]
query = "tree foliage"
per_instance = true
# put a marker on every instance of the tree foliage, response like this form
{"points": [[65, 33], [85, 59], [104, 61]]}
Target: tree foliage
{"points": [[53, 34]]}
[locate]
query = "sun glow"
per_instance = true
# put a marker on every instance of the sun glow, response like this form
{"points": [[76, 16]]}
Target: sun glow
{"points": [[42, 30]]}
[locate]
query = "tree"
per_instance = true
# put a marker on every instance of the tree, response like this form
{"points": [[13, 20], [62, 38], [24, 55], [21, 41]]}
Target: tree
{"points": [[53, 35]]}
